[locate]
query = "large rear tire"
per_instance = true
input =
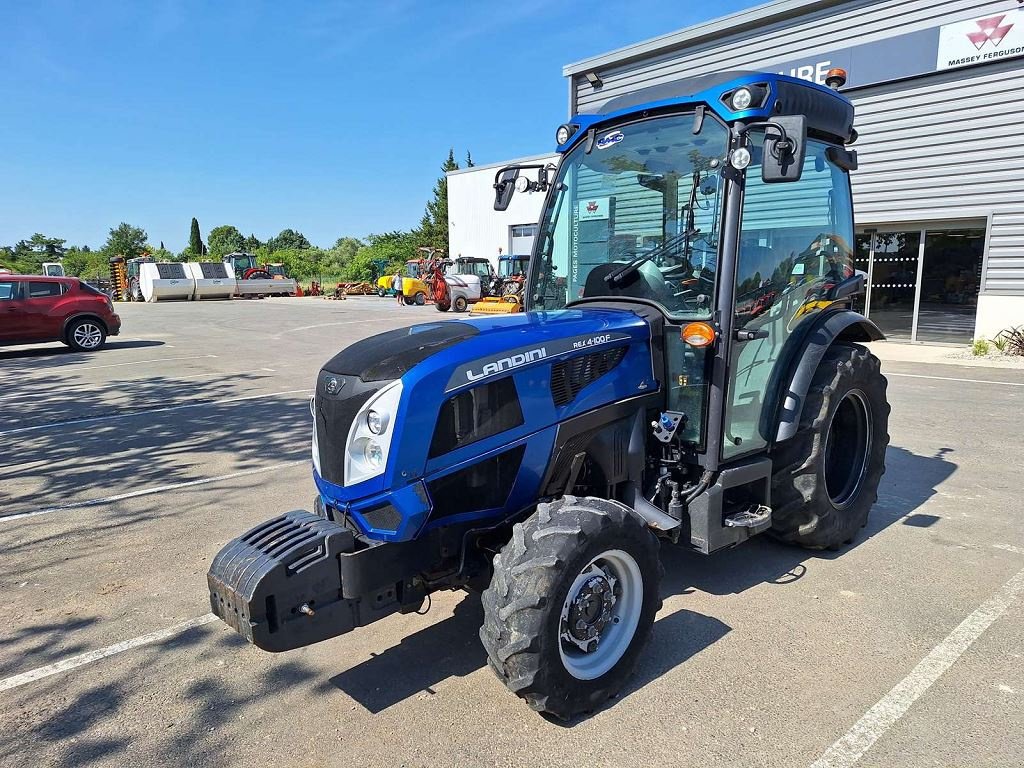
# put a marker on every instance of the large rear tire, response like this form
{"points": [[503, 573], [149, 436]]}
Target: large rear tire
{"points": [[571, 604], [828, 473]]}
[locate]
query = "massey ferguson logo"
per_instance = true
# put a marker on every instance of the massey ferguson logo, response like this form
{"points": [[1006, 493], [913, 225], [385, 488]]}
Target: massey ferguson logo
{"points": [[505, 363], [591, 207], [989, 30]]}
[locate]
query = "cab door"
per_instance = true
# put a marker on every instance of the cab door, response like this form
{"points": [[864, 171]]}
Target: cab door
{"points": [[796, 242]]}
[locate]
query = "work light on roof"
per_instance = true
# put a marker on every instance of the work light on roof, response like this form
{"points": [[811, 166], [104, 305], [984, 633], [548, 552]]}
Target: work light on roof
{"points": [[565, 132], [742, 99]]}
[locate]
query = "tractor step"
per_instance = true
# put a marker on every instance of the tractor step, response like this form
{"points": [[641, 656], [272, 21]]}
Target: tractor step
{"points": [[756, 518]]}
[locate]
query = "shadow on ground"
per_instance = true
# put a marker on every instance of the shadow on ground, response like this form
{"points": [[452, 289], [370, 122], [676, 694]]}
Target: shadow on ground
{"points": [[43, 467], [56, 355]]}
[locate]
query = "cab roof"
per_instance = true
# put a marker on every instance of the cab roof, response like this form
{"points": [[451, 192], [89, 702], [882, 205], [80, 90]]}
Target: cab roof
{"points": [[829, 114]]}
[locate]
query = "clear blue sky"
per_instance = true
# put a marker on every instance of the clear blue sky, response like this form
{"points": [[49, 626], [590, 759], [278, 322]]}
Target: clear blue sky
{"points": [[328, 117]]}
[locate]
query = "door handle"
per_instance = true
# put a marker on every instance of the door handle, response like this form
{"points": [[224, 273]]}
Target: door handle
{"points": [[742, 335]]}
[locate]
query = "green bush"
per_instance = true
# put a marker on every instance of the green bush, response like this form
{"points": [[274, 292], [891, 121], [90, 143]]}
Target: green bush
{"points": [[1012, 341], [979, 348]]}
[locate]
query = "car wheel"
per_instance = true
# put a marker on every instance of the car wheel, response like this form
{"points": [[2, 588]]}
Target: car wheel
{"points": [[86, 335]]}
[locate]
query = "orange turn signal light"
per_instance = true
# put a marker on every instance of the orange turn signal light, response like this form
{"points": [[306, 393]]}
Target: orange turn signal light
{"points": [[698, 334]]}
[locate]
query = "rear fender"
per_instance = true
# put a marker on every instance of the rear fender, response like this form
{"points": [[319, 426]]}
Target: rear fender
{"points": [[80, 316], [799, 361]]}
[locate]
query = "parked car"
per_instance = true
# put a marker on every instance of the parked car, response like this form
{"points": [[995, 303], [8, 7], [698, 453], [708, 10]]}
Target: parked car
{"points": [[36, 308]]}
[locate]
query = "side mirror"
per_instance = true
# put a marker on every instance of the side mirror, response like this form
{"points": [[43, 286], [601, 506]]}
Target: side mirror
{"points": [[784, 153], [504, 188]]}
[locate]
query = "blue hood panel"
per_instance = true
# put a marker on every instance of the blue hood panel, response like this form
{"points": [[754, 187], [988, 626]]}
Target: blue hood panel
{"points": [[523, 347]]}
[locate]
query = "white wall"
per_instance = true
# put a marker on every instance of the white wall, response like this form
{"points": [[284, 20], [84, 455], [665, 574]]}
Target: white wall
{"points": [[997, 313], [474, 227]]}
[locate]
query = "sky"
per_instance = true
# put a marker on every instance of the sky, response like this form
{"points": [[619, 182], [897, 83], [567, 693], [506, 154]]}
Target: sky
{"points": [[331, 118]]}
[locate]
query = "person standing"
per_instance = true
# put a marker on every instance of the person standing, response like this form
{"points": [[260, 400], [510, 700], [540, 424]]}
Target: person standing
{"points": [[396, 283]]}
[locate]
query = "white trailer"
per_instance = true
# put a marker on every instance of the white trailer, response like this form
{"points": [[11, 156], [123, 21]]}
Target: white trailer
{"points": [[213, 279], [166, 281]]}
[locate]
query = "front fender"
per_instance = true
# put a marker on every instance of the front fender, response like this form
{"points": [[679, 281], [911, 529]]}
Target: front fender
{"points": [[800, 360]]}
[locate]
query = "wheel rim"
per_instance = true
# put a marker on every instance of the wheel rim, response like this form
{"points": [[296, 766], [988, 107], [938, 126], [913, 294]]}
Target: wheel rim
{"points": [[87, 336], [600, 615], [847, 445]]}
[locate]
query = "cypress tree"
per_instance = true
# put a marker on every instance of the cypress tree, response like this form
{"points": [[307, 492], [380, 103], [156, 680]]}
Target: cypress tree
{"points": [[195, 240]]}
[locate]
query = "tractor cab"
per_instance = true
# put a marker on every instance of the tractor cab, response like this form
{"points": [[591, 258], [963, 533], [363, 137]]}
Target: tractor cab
{"points": [[277, 271], [241, 263], [471, 265], [53, 269], [510, 265]]}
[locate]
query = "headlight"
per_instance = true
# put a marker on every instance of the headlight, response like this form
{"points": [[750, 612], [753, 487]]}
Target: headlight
{"points": [[376, 421], [742, 99], [373, 453], [371, 434], [740, 158], [563, 134]]}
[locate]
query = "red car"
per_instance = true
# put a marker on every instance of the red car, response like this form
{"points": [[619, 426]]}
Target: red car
{"points": [[35, 308]]}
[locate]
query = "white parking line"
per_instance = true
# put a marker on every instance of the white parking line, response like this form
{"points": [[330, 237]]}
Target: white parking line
{"points": [[149, 491], [877, 720], [1010, 548], [328, 325], [148, 411], [88, 658], [141, 362], [948, 378]]}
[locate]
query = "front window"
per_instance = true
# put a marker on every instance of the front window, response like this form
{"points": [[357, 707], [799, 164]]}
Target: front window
{"points": [[650, 188], [412, 269]]}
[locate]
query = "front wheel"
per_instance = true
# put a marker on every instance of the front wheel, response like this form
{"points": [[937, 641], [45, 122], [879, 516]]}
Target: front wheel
{"points": [[571, 604], [420, 298], [828, 473], [381, 292], [460, 304]]}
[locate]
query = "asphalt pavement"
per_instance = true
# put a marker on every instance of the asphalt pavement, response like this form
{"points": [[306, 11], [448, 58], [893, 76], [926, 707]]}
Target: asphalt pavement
{"points": [[123, 472]]}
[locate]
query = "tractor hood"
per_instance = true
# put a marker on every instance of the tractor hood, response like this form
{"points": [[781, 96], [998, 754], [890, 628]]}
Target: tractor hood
{"points": [[451, 394]]}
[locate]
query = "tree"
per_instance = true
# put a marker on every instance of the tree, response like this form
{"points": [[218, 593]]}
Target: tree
{"points": [[288, 239], [337, 258], [251, 244], [195, 239], [433, 231], [392, 249], [469, 159], [125, 240], [224, 239]]}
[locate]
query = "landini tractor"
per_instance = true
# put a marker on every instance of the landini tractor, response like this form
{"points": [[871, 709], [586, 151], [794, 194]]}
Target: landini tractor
{"points": [[665, 385]]}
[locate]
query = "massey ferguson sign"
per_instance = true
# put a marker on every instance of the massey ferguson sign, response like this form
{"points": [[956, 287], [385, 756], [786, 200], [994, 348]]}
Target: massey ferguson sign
{"points": [[981, 41]]}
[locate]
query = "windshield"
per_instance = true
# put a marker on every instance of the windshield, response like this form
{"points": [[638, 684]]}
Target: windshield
{"points": [[647, 188], [515, 266]]}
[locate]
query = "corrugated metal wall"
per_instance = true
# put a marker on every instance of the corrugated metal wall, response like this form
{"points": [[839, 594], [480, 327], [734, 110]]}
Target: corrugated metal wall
{"points": [[967, 163]]}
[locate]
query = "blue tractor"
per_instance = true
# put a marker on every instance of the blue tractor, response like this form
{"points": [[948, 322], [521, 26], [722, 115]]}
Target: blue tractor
{"points": [[688, 370]]}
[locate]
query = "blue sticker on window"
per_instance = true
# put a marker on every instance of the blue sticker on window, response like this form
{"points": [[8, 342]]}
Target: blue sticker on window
{"points": [[611, 139]]}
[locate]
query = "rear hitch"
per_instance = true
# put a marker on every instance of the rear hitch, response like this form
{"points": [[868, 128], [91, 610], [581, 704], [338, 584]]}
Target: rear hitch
{"points": [[281, 584]]}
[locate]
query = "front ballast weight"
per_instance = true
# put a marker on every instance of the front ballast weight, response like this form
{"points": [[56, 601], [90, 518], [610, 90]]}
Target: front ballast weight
{"points": [[298, 579]]}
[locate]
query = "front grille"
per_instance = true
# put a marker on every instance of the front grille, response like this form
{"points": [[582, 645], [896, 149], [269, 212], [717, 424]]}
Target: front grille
{"points": [[571, 376], [484, 485], [384, 517], [333, 418], [478, 413]]}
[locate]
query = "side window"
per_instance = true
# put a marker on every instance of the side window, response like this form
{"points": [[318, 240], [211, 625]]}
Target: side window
{"points": [[44, 290], [796, 242], [8, 290]]}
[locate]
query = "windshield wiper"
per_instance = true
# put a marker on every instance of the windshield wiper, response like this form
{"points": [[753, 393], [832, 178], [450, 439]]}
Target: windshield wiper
{"points": [[627, 269]]}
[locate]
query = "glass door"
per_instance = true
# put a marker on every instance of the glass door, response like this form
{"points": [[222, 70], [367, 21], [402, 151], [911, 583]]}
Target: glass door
{"points": [[893, 282], [950, 279]]}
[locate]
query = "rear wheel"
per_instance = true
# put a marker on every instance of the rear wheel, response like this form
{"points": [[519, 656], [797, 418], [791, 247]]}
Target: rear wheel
{"points": [[86, 335], [420, 298], [828, 473], [381, 292], [460, 304], [571, 604]]}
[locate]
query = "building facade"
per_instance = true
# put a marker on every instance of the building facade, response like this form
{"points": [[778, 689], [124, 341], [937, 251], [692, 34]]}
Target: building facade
{"points": [[475, 228], [939, 194]]}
